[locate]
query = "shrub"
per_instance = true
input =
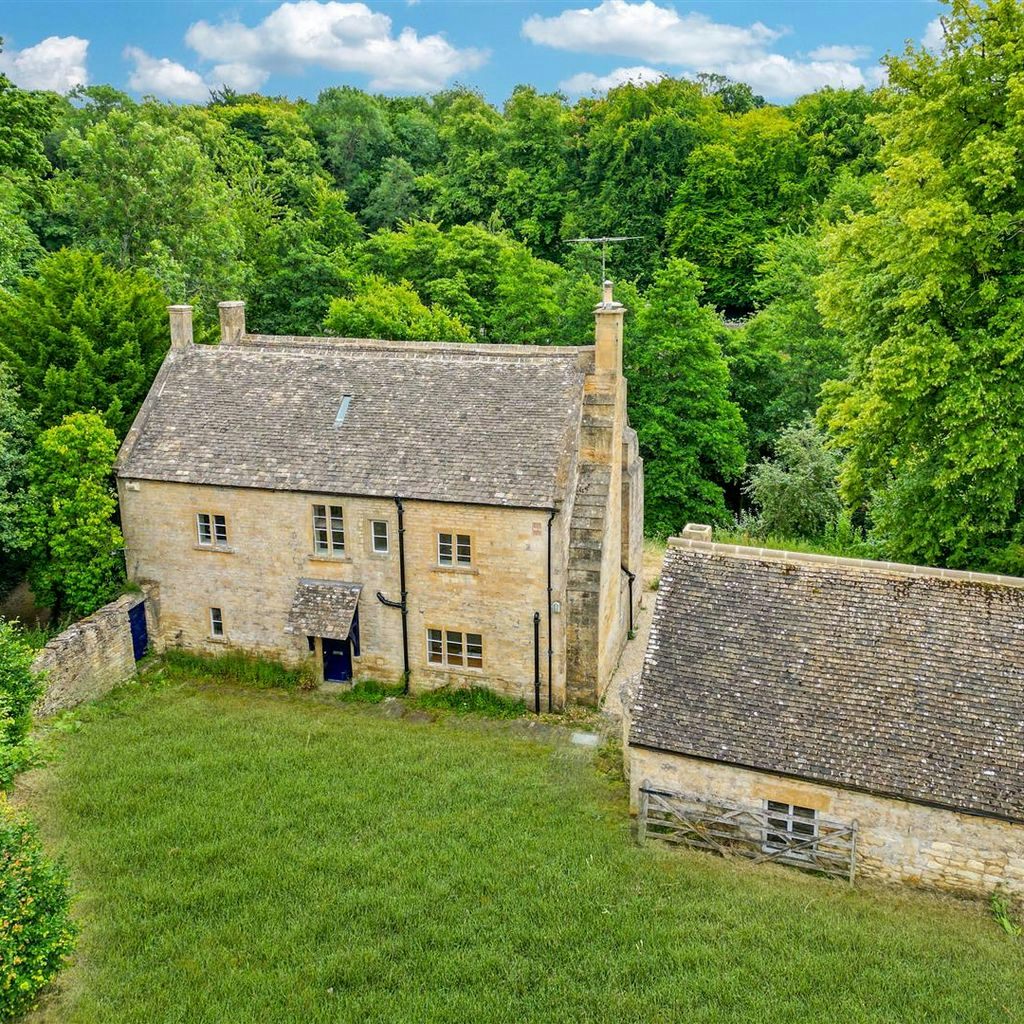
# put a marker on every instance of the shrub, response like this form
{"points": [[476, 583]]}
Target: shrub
{"points": [[238, 667], [472, 699], [19, 687], [36, 930], [370, 691]]}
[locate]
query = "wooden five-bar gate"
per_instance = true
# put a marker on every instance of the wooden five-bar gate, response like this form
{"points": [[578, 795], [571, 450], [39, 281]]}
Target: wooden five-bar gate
{"points": [[762, 835]]}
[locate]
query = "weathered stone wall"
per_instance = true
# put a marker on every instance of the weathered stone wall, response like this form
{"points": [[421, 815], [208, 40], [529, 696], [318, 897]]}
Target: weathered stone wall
{"points": [[897, 841], [89, 658], [270, 548]]}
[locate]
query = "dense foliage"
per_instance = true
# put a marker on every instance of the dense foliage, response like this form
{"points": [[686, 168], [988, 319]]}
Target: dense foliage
{"points": [[19, 687], [74, 546], [36, 931], [864, 243]]}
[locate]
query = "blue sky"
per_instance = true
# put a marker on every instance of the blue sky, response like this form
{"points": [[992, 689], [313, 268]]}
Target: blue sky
{"points": [[178, 50]]}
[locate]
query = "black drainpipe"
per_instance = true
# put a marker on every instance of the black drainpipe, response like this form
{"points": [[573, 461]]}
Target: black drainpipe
{"points": [[404, 603], [536, 662], [551, 519], [630, 576]]}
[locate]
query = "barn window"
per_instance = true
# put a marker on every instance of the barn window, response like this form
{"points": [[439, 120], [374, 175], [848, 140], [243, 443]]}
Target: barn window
{"points": [[789, 825], [328, 530], [216, 622]]}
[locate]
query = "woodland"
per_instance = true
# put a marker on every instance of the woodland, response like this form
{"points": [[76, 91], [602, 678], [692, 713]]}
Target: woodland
{"points": [[823, 343]]}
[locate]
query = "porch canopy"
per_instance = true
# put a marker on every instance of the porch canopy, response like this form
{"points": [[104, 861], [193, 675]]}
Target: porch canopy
{"points": [[324, 608]]}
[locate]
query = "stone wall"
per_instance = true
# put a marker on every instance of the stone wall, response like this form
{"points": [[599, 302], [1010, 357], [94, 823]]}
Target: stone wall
{"points": [[89, 658], [897, 841], [270, 548]]}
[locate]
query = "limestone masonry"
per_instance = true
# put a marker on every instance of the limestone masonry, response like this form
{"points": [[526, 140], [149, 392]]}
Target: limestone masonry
{"points": [[458, 513], [869, 693]]}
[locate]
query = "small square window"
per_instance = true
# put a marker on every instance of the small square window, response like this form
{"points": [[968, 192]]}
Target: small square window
{"points": [[216, 622], [789, 825], [204, 530], [444, 549], [381, 542]]}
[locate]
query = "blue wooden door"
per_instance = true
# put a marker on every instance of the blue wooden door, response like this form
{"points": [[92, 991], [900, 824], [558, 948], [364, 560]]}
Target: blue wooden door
{"points": [[140, 636], [337, 660]]}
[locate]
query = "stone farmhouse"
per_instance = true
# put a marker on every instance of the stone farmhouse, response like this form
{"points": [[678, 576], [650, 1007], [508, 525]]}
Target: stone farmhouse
{"points": [[450, 514], [793, 695]]}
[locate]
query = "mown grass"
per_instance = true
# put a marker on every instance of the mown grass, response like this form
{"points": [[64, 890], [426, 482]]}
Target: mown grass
{"points": [[247, 856]]}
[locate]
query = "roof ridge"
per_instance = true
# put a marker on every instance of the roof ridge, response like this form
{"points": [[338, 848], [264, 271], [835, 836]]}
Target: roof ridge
{"points": [[749, 553], [258, 342]]}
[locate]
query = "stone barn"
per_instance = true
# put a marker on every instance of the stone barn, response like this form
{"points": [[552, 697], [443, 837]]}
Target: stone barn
{"points": [[451, 514], [806, 696]]}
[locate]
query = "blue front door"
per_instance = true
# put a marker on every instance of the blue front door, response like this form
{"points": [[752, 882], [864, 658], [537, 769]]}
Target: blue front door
{"points": [[337, 660], [140, 636]]}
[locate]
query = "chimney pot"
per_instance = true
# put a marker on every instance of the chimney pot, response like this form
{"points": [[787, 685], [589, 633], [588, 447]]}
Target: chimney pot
{"points": [[232, 322], [181, 327], [607, 293]]}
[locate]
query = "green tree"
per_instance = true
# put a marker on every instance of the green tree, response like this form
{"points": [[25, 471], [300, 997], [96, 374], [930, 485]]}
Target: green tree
{"points": [[395, 198], [928, 288], [73, 545], [16, 430], [82, 335], [19, 688], [797, 493], [139, 188], [735, 190], [392, 311], [781, 357], [690, 432]]}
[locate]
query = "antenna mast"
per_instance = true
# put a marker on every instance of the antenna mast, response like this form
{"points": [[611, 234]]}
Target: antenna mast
{"points": [[604, 240]]}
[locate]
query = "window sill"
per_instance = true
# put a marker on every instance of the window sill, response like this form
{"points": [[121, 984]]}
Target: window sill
{"points": [[461, 670], [465, 570], [217, 639], [218, 549], [329, 558]]}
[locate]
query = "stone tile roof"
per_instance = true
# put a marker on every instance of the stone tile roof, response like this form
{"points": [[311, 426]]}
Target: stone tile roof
{"points": [[483, 424], [904, 683], [324, 608]]}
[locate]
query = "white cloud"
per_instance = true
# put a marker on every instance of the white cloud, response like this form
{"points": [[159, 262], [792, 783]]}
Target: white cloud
{"points": [[843, 54], [57, 63], [776, 75], [168, 79], [240, 77], [692, 43], [586, 82], [649, 32], [934, 38], [338, 37]]}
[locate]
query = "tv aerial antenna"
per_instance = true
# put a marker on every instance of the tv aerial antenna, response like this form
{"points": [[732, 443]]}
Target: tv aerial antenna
{"points": [[605, 240]]}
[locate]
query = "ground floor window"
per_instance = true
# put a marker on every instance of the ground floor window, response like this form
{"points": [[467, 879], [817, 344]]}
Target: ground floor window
{"points": [[454, 647], [789, 825], [216, 622]]}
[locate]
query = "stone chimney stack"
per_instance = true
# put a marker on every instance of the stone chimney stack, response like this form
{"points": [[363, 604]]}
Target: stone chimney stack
{"points": [[232, 322], [608, 320], [181, 327]]}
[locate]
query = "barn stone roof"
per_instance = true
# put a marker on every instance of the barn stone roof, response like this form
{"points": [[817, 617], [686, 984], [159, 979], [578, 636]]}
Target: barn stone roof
{"points": [[485, 424], [892, 679]]}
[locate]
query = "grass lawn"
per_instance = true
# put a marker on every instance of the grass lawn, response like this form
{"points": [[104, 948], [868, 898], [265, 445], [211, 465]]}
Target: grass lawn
{"points": [[246, 855]]}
